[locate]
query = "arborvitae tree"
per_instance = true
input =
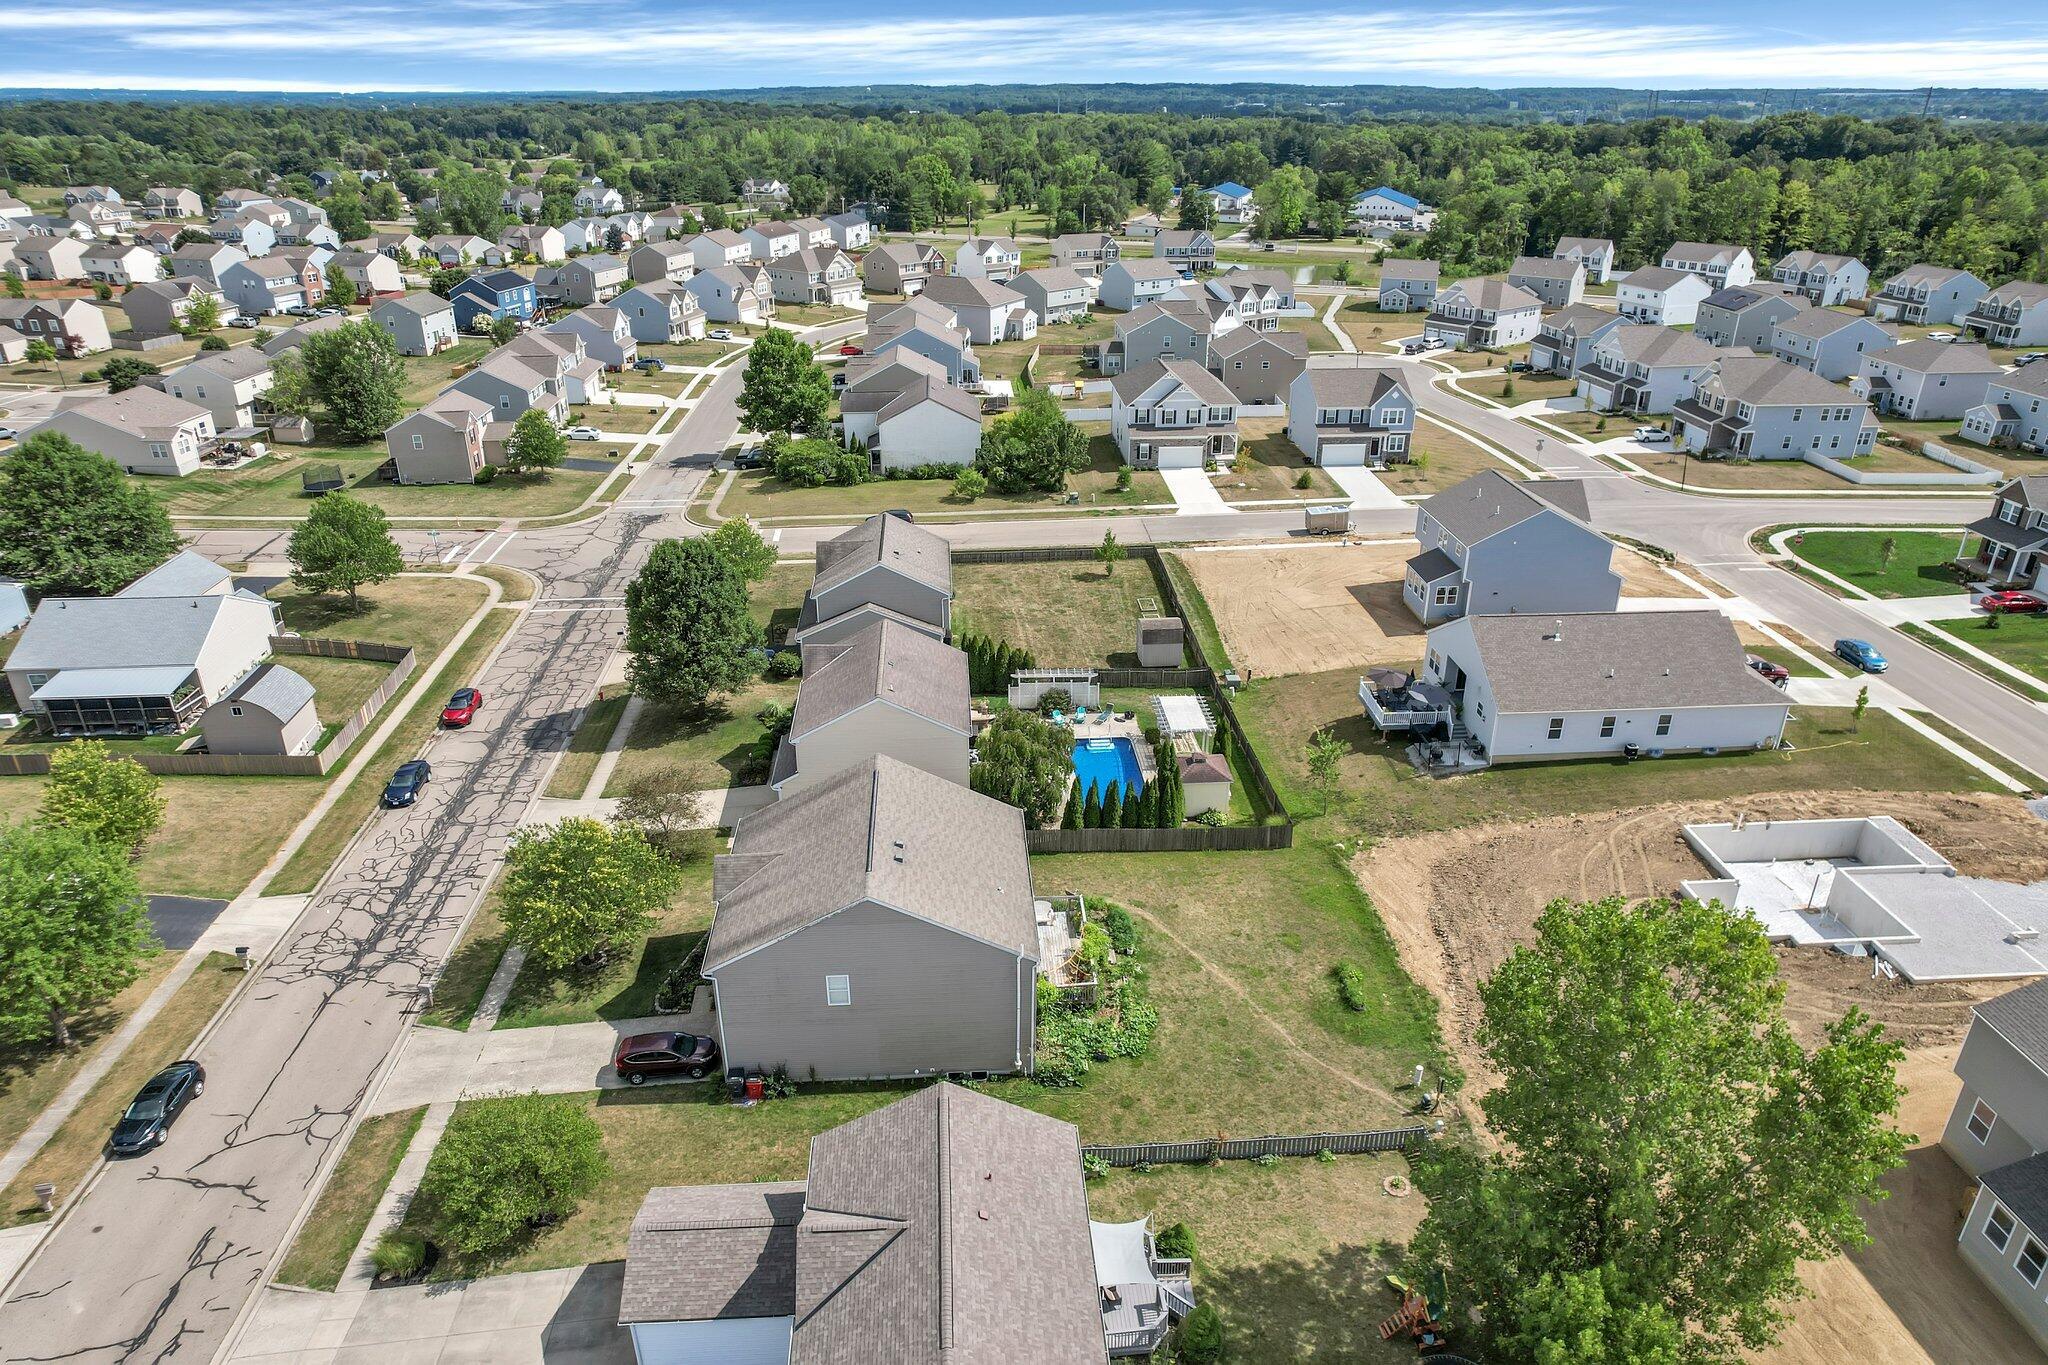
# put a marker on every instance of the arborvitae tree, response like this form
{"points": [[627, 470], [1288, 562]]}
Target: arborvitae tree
{"points": [[1091, 811], [1147, 809], [1133, 807], [1070, 818], [1113, 806]]}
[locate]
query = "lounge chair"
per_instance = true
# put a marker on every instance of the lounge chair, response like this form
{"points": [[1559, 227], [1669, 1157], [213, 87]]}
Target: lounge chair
{"points": [[1081, 716], [1058, 719]]}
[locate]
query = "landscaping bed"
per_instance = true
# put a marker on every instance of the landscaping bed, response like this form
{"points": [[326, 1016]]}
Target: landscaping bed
{"points": [[1269, 465]]}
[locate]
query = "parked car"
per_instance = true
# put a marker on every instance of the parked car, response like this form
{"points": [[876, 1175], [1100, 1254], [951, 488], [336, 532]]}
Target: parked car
{"points": [[721, 334], [1862, 654], [1941, 336], [851, 349], [582, 433], [149, 1116], [753, 457], [665, 1054], [2029, 357], [1770, 672], [300, 311], [2011, 600], [330, 313], [1521, 367], [243, 322], [1653, 436], [461, 708], [407, 783], [648, 366], [9, 434]]}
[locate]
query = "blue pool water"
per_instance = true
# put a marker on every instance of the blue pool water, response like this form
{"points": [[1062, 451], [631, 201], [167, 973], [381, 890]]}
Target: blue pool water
{"points": [[1103, 761]]}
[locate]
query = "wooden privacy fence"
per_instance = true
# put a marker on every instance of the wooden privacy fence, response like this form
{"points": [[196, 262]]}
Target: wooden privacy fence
{"points": [[1186, 839], [1204, 1150]]}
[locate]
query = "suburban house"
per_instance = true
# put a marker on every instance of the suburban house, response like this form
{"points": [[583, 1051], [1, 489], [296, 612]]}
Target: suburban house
{"points": [[719, 246], [228, 201], [73, 327], [1173, 328], [374, 274], [673, 261], [1128, 283], [1823, 278], [577, 375], [270, 711], [594, 196], [1386, 209], [105, 220], [399, 246], [887, 689], [886, 568], [249, 229], [421, 323], [905, 414], [732, 293], [901, 267], [311, 264], [661, 311], [850, 231], [1187, 250], [142, 430], [595, 278], [1408, 286], [511, 385], [764, 193], [49, 258], [166, 201], [457, 248], [1763, 409], [162, 238], [1830, 344], [1557, 282], [1172, 415], [2014, 411], [228, 384], [815, 275], [988, 258], [121, 263], [484, 298], [1055, 293], [55, 225], [90, 194], [1564, 343], [1255, 303], [770, 239], [591, 234], [605, 333], [1088, 252], [1641, 369], [1258, 367], [264, 286], [1743, 317], [2012, 547], [1494, 545], [1596, 254], [947, 1225], [12, 211], [208, 261], [275, 344], [147, 660], [1145, 225], [1546, 686], [1271, 280], [1662, 296], [1484, 313], [1351, 415], [987, 311], [877, 924], [545, 244], [1928, 295], [441, 443], [1719, 264], [1927, 381], [160, 308], [1233, 203], [925, 329], [2013, 314]]}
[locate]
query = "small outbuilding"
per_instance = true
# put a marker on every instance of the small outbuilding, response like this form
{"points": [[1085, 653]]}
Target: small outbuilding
{"points": [[1205, 781], [269, 712], [1160, 641]]}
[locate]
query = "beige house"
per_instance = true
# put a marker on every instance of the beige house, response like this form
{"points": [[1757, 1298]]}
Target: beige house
{"points": [[142, 430], [269, 712], [885, 689], [901, 267], [441, 443]]}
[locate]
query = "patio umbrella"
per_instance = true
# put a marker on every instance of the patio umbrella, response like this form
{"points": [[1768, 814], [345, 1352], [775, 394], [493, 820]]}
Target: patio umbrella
{"points": [[1383, 678]]}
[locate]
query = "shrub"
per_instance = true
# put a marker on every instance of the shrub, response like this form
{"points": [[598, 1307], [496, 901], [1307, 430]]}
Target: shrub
{"points": [[1352, 987], [1201, 1335], [505, 1166], [1265, 1161], [1302, 480], [1093, 1167], [1123, 479], [1055, 699], [678, 988], [1026, 761], [1325, 1156], [1212, 819], [1176, 1242], [775, 718], [785, 664], [399, 1254], [213, 343], [815, 463], [1117, 923], [969, 484], [488, 474]]}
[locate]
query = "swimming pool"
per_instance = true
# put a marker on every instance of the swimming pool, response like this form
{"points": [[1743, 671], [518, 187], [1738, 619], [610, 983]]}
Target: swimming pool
{"points": [[1103, 761]]}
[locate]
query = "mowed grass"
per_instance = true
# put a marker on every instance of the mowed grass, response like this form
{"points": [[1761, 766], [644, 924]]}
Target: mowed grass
{"points": [[69, 1155], [1065, 614], [2011, 637], [1269, 465], [1920, 566], [273, 487], [723, 740], [319, 1255], [586, 746], [1442, 457]]}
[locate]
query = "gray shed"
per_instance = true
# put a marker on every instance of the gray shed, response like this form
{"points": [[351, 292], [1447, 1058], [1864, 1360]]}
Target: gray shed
{"points": [[269, 712]]}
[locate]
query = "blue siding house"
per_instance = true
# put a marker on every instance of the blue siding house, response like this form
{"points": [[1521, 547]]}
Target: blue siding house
{"points": [[491, 295]]}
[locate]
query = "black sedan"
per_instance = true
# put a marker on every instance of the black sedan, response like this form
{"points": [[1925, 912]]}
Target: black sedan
{"points": [[407, 783], [664, 1054], [156, 1106]]}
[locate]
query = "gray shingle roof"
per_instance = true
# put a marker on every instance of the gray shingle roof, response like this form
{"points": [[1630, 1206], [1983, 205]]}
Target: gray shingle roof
{"points": [[1488, 502], [1492, 295], [901, 546], [1766, 381], [1647, 345], [1940, 357], [700, 1252], [2021, 1018], [1408, 272], [1625, 660], [1656, 277], [243, 362], [884, 662], [969, 291], [1820, 322], [142, 409], [1702, 251], [1198, 381], [424, 304], [185, 574], [119, 632], [1545, 268], [1238, 340], [1353, 386], [2022, 1186], [1146, 268], [275, 689]]}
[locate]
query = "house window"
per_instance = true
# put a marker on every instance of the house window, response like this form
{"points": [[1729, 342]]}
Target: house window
{"points": [[1981, 1120], [1606, 727], [2033, 1256], [1664, 725], [1998, 1227], [838, 990], [1447, 595], [419, 442], [1557, 727]]}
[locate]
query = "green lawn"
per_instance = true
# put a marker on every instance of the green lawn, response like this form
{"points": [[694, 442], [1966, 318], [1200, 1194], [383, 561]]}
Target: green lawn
{"points": [[320, 1253], [696, 353], [1920, 566], [1269, 465], [725, 741], [620, 417], [1587, 426], [586, 746], [272, 487], [1519, 388], [2021, 641], [1065, 614]]}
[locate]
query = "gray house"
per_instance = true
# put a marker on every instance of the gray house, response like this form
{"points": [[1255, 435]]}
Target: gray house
{"points": [[886, 568], [1129, 282], [441, 443], [1596, 254], [1054, 293], [269, 712], [1764, 409], [2013, 314], [885, 689], [2014, 412], [1186, 249], [1557, 281], [1823, 278], [1996, 1133], [1088, 252], [1744, 316], [205, 260], [901, 267], [1408, 286], [1258, 367], [660, 311], [160, 307], [1927, 381], [1493, 545], [877, 924], [1928, 295], [2012, 540], [930, 331], [1351, 415], [1828, 343], [589, 279], [607, 334], [1564, 343], [662, 261], [1641, 369], [1166, 329], [421, 324]]}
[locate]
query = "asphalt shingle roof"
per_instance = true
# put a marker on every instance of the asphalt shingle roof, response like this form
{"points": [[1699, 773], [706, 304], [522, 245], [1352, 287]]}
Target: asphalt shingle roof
{"points": [[275, 689], [901, 546], [2021, 1018], [887, 662], [2022, 1186], [1625, 660], [1489, 502]]}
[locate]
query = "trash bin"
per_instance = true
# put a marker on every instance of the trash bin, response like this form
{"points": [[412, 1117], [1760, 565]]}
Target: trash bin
{"points": [[755, 1089]]}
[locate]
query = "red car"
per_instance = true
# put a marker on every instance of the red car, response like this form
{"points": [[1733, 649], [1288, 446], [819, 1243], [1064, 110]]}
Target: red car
{"points": [[461, 708], [1770, 672], [2011, 601], [850, 349]]}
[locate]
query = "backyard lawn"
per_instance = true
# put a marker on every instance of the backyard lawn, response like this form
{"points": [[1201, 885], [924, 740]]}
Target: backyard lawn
{"points": [[1064, 614], [1370, 329], [727, 736], [1920, 566], [1319, 338]]}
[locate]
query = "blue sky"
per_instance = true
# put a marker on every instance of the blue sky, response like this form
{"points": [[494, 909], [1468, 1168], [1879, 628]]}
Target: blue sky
{"points": [[661, 45]]}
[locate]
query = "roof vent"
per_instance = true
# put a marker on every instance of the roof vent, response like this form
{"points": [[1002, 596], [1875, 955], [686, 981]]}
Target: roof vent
{"points": [[897, 852]]}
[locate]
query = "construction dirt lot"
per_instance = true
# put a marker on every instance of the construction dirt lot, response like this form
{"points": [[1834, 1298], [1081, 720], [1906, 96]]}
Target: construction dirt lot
{"points": [[1318, 606], [1457, 902]]}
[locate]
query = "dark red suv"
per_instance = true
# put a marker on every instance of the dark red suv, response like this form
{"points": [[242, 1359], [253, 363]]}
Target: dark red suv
{"points": [[665, 1054]]}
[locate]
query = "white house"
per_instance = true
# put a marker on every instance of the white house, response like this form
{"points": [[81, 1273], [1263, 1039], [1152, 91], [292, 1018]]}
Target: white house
{"points": [[1596, 254], [1384, 209], [1823, 278], [1662, 296], [1486, 313], [142, 430], [1129, 282], [1719, 264], [989, 312], [988, 258], [228, 384], [903, 412], [1172, 415]]}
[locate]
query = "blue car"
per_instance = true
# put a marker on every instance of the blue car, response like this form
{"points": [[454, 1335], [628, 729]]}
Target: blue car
{"points": [[406, 784], [1862, 654]]}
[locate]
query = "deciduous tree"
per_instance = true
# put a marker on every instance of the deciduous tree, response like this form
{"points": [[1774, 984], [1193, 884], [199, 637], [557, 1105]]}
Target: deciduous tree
{"points": [[73, 928], [113, 801], [535, 446], [505, 1166], [1032, 449], [343, 545], [578, 891], [70, 525], [688, 626], [744, 548], [359, 376], [784, 388]]}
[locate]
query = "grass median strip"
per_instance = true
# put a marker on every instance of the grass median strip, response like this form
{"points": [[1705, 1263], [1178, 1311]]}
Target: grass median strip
{"points": [[319, 1256], [586, 746], [69, 1154], [1982, 750], [33, 1074], [1938, 639]]}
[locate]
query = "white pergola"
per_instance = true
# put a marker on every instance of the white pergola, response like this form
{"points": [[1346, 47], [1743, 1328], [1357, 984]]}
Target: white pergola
{"points": [[1185, 716]]}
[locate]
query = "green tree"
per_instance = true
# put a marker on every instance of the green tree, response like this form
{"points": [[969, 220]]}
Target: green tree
{"points": [[688, 626], [343, 545], [578, 891], [1033, 449], [359, 376], [1027, 761], [662, 804], [1197, 209], [784, 388], [504, 1166], [969, 484], [192, 236], [69, 523], [442, 281], [39, 352], [501, 330], [115, 802], [291, 389], [1863, 702], [124, 372], [1070, 813], [1324, 754], [1568, 1318], [1110, 553], [1201, 1335], [1283, 201], [1091, 807], [1887, 551], [745, 549], [73, 929], [1113, 806], [202, 315], [535, 446], [1659, 1125], [341, 290]]}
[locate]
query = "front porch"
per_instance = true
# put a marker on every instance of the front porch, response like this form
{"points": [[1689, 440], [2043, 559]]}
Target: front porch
{"points": [[2006, 555]]}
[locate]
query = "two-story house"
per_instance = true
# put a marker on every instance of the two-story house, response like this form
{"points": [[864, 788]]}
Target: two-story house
{"points": [[73, 327], [249, 229], [606, 333], [1055, 293], [1493, 544], [1564, 343], [1718, 263], [1823, 278], [484, 298], [901, 267], [2012, 542], [1928, 295], [443, 442], [987, 311], [1408, 286], [733, 293], [1760, 408], [815, 275], [771, 239], [719, 246], [1351, 416], [1661, 296], [511, 386], [374, 275], [1173, 415], [1484, 313], [1258, 367], [901, 409], [988, 258], [1744, 316], [1166, 329], [1188, 250], [660, 311], [671, 261], [171, 201], [1087, 252], [419, 324], [49, 258], [851, 231], [2014, 412], [886, 568], [888, 688], [1926, 381], [925, 329], [1830, 344], [594, 196], [264, 286], [229, 384], [543, 243], [1557, 281], [450, 249], [161, 308], [205, 261], [140, 430], [1640, 369], [2013, 314], [584, 280], [1596, 254], [1129, 282], [121, 263], [1233, 203]]}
